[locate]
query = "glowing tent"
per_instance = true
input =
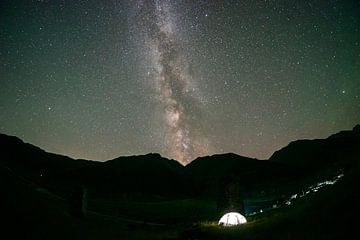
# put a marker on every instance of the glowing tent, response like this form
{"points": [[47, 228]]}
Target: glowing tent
{"points": [[231, 219]]}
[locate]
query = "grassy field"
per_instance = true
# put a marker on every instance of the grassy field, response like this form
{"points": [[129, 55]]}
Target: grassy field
{"points": [[331, 213], [35, 213], [42, 191], [163, 212]]}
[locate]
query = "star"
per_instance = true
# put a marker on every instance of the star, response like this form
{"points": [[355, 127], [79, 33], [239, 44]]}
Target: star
{"points": [[195, 77]]}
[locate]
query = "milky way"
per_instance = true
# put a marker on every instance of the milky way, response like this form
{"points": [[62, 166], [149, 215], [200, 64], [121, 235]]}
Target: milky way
{"points": [[183, 78], [184, 138]]}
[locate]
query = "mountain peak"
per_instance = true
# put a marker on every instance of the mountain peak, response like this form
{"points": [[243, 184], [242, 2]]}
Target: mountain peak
{"points": [[356, 128]]}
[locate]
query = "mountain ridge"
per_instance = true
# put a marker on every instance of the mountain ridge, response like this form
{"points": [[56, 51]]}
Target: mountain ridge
{"points": [[155, 175], [11, 141], [317, 153]]}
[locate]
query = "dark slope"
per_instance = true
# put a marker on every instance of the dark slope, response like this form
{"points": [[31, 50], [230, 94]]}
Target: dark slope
{"points": [[331, 213], [30, 212], [36, 184], [147, 175], [334, 153], [152, 175], [33, 161], [136, 174], [211, 174], [216, 166]]}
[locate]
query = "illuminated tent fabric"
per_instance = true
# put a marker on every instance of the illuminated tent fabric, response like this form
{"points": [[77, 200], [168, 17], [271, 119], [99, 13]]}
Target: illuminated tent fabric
{"points": [[231, 219]]}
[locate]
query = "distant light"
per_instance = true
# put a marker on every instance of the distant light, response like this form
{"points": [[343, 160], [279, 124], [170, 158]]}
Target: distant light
{"points": [[232, 219]]}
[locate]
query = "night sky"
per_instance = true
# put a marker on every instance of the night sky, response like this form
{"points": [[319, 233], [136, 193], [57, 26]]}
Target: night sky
{"points": [[101, 79]]}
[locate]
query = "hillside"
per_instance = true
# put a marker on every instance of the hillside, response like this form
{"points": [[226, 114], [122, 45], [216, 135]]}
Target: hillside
{"points": [[143, 175], [151, 197], [154, 175], [311, 156]]}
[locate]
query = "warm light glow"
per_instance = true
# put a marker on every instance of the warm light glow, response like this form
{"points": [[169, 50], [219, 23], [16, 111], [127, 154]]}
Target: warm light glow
{"points": [[231, 219]]}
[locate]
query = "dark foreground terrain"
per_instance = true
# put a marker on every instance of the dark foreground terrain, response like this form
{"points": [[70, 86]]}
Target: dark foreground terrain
{"points": [[307, 190]]}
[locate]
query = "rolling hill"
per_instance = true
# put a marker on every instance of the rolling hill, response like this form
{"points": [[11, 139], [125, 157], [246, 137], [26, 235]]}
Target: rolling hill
{"points": [[127, 193]]}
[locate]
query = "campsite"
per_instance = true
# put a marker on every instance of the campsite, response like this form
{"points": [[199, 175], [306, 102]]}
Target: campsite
{"points": [[52, 195], [179, 119]]}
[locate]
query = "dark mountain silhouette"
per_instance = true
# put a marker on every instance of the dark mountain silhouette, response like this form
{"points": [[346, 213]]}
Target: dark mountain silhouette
{"points": [[128, 193], [210, 172], [337, 152], [141, 174], [154, 175], [33, 161], [148, 175]]}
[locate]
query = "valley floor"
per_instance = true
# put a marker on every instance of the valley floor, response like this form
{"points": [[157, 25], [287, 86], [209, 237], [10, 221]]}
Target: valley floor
{"points": [[31, 212]]}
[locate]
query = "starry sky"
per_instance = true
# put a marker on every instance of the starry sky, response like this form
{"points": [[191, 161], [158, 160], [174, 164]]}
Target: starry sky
{"points": [[100, 79]]}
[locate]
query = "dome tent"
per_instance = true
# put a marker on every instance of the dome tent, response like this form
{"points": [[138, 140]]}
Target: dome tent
{"points": [[231, 219]]}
